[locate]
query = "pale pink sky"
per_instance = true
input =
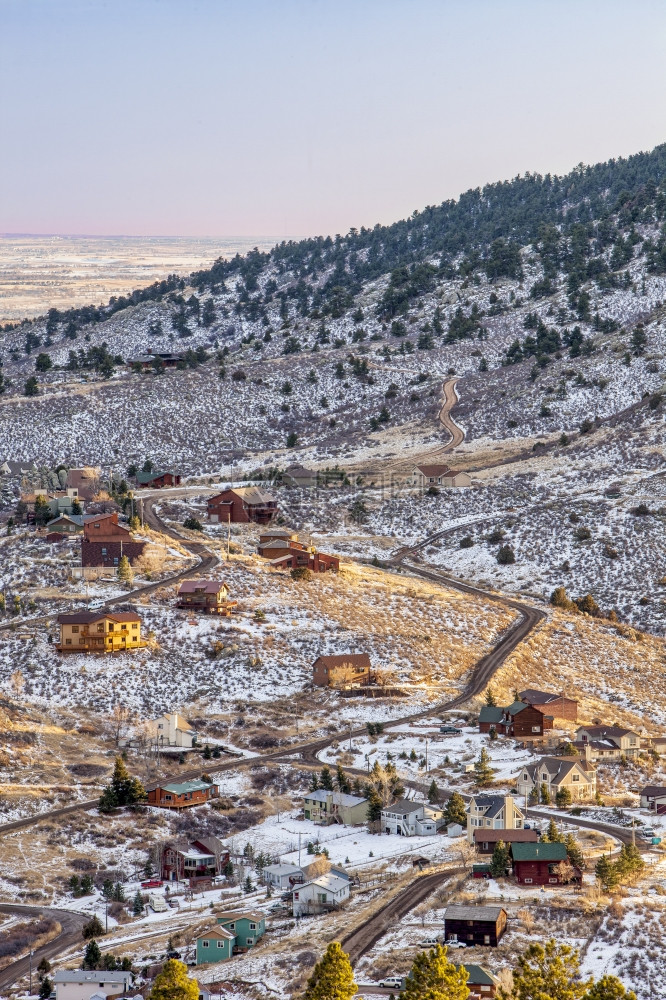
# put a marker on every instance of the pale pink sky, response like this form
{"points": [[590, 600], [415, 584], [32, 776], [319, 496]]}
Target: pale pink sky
{"points": [[300, 117]]}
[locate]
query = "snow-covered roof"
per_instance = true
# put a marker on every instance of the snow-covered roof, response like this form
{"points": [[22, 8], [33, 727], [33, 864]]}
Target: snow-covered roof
{"points": [[283, 869], [331, 882], [473, 912], [94, 976]]}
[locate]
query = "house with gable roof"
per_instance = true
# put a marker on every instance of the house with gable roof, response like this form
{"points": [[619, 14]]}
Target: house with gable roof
{"points": [[435, 474], [576, 774], [242, 505], [407, 818], [493, 812], [607, 742]]}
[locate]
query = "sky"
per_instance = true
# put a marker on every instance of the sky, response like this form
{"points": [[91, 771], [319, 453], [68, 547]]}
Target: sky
{"points": [[288, 118]]}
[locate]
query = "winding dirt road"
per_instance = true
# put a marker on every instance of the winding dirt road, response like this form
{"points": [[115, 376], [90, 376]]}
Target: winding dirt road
{"points": [[71, 923], [450, 400]]}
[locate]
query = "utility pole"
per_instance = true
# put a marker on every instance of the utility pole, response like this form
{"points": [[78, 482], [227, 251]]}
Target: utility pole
{"points": [[350, 737], [299, 850], [426, 754], [31, 954], [228, 535]]}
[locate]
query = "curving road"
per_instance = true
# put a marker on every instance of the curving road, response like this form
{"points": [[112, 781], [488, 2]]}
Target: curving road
{"points": [[71, 923], [444, 416]]}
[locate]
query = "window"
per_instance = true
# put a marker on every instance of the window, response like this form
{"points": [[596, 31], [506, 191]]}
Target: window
{"points": [[75, 628], [527, 880], [220, 944], [68, 642], [232, 927], [253, 927], [536, 729], [111, 626], [249, 940], [553, 880], [205, 944], [100, 628], [103, 550], [135, 625], [486, 938], [575, 777]]}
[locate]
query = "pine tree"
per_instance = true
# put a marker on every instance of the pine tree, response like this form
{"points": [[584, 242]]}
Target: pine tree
{"points": [[173, 983], [433, 792], [574, 853], [433, 977], [483, 772], [609, 988], [544, 794], [127, 790], [552, 834], [248, 885], [333, 978], [93, 929], [45, 988], [341, 779], [490, 698], [92, 958], [326, 779], [374, 805], [314, 781], [550, 971], [455, 811], [125, 571], [606, 873], [500, 860], [137, 904]]}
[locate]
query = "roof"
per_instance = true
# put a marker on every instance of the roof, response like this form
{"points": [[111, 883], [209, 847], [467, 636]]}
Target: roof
{"points": [[433, 470], [203, 586], [507, 836], [491, 804], [557, 767], [650, 790], [327, 881], [404, 806], [516, 707], [249, 494], [79, 519], [94, 976], [217, 932], [486, 913], [605, 731], [282, 869], [337, 798], [478, 976], [534, 697], [344, 659], [230, 915], [539, 852], [299, 470], [180, 788], [490, 713], [88, 617], [148, 477]]}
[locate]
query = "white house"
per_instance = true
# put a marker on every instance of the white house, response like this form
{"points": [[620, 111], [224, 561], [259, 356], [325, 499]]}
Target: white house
{"points": [[74, 985], [410, 819], [494, 812], [321, 894], [172, 730], [283, 876]]}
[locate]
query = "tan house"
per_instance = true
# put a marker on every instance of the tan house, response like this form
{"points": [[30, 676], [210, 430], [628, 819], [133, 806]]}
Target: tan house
{"points": [[578, 775], [342, 670], [172, 730], [607, 742], [99, 632], [324, 806], [425, 476], [298, 475], [210, 597], [493, 812]]}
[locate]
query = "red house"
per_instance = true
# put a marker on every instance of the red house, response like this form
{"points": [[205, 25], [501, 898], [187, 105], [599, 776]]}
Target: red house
{"points": [[518, 719], [105, 541], [539, 864], [182, 794], [551, 704], [202, 858], [242, 505], [157, 480]]}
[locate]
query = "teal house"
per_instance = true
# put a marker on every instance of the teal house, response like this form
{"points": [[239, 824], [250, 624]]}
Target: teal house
{"points": [[236, 932]]}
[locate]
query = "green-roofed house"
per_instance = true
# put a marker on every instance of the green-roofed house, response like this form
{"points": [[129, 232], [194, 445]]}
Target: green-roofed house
{"points": [[480, 983], [236, 933], [157, 480], [539, 864], [182, 794], [490, 717]]}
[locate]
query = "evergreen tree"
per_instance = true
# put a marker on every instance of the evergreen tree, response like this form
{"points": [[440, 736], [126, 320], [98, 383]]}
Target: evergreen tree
{"points": [[563, 797], [43, 968], [500, 860], [173, 983], [248, 885], [544, 794], [574, 853], [490, 698], [123, 790], [433, 792], [314, 781], [31, 387], [92, 958], [333, 978], [606, 873], [483, 772], [549, 972], [125, 571], [629, 862], [341, 779], [609, 988], [137, 904], [325, 778], [93, 929], [45, 988], [455, 811], [552, 834], [374, 805], [433, 977]]}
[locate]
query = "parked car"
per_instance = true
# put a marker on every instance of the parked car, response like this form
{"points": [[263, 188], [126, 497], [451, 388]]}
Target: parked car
{"points": [[429, 942], [391, 983], [173, 902], [453, 943], [647, 832], [152, 883]]}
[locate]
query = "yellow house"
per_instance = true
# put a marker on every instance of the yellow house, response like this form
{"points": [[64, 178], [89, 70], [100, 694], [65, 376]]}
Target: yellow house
{"points": [[99, 631]]}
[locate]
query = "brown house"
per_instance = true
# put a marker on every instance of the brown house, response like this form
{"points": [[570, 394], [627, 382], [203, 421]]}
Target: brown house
{"points": [[207, 596], [555, 705], [105, 542], [242, 505], [286, 551], [485, 840], [157, 480], [519, 719], [201, 858], [86, 481], [475, 925], [182, 795], [342, 670], [539, 864], [480, 983], [99, 632]]}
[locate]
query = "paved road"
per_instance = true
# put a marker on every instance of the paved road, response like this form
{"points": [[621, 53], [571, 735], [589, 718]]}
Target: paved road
{"points": [[70, 934]]}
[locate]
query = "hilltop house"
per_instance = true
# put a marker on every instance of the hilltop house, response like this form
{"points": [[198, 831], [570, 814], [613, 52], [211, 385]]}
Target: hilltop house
{"points": [[242, 505], [183, 794], [555, 705], [282, 876], [575, 774], [519, 719], [73, 984], [425, 476], [99, 632], [324, 806], [320, 895], [342, 670], [475, 925], [156, 480], [493, 812], [408, 819], [235, 933], [66, 524], [105, 542], [276, 542], [181, 860], [607, 742], [286, 551], [172, 730], [208, 596], [538, 864]]}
